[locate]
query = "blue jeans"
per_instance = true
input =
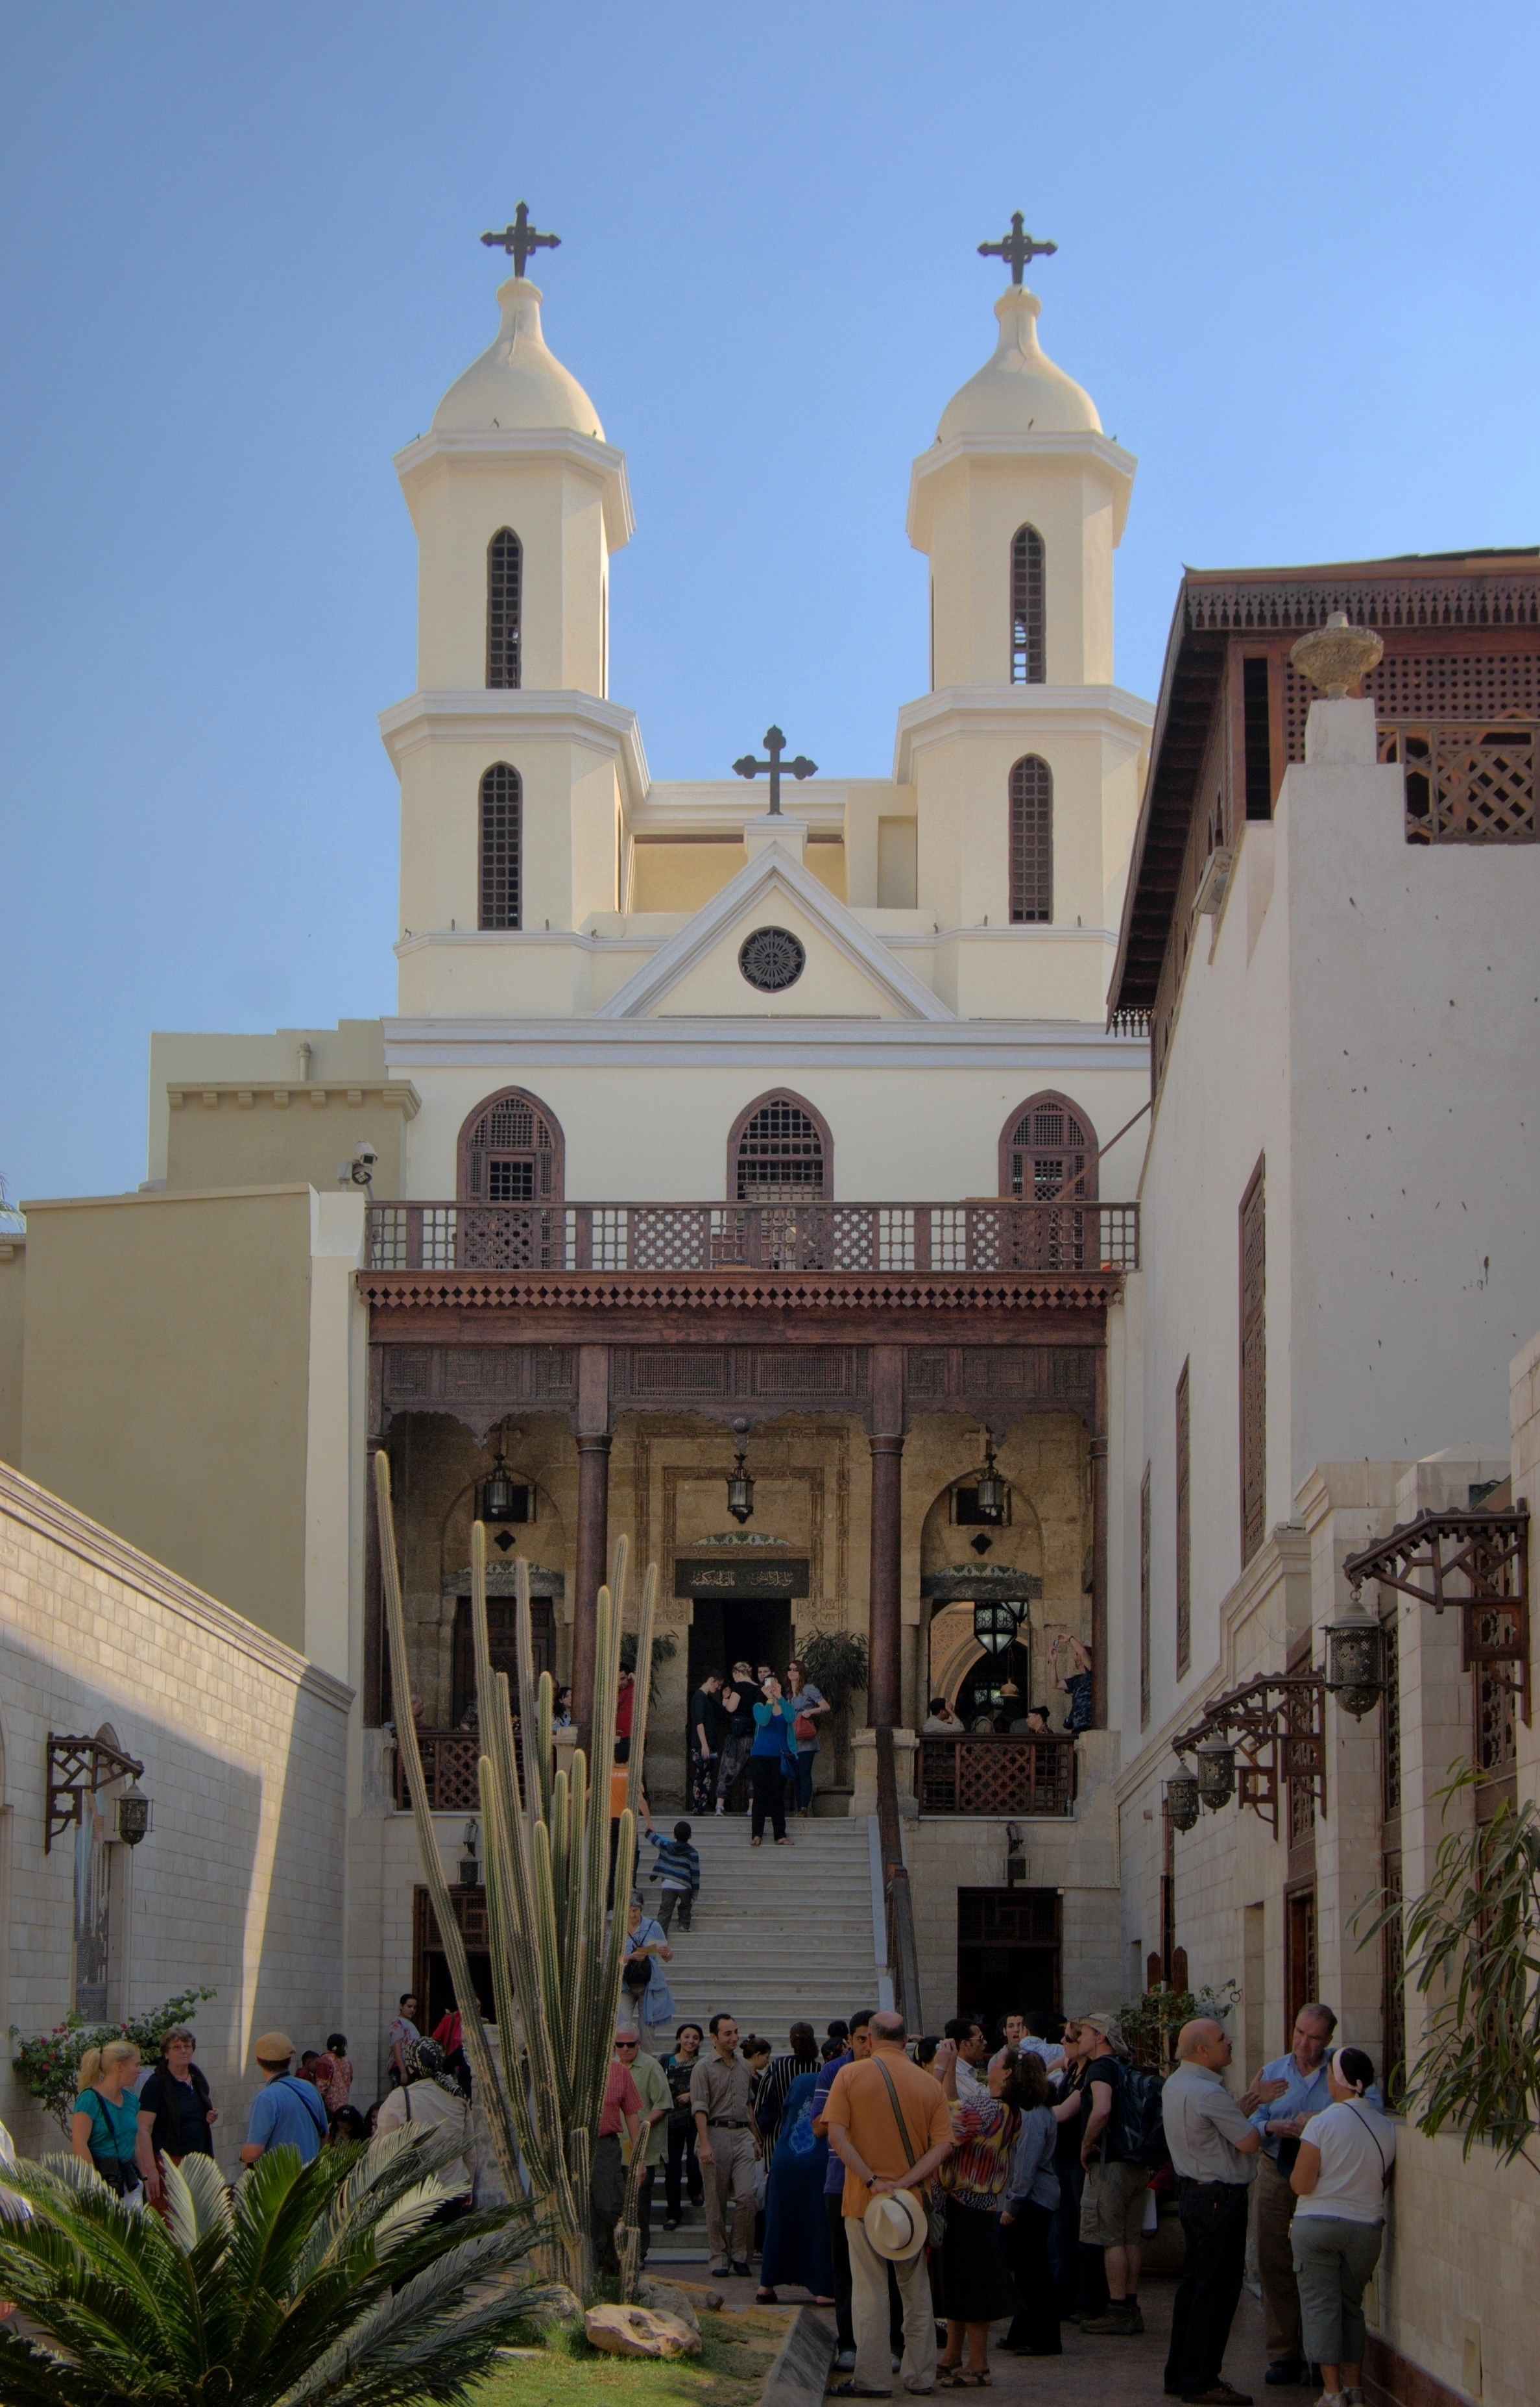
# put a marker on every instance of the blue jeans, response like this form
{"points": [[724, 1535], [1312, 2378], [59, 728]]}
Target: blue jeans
{"points": [[802, 1795]]}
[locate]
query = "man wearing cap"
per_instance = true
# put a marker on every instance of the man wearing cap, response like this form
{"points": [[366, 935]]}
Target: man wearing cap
{"points": [[891, 2127], [288, 2113]]}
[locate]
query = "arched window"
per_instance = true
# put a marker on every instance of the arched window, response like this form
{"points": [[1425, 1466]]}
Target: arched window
{"points": [[781, 1152], [504, 589], [502, 847], [510, 1151], [1044, 1146], [1029, 644], [1031, 840]]}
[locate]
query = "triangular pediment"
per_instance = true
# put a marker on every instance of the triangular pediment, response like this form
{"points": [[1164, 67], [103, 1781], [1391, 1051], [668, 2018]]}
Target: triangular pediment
{"points": [[849, 972]]}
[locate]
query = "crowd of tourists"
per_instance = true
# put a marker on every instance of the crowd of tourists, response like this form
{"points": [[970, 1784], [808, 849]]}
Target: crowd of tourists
{"points": [[927, 2188]]}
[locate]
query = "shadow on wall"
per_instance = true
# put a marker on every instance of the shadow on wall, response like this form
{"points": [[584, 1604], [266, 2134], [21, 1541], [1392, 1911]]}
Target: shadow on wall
{"points": [[238, 1887]]}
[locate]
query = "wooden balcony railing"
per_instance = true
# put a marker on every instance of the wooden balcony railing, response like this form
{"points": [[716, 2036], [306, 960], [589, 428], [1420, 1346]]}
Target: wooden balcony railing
{"points": [[449, 1767], [997, 1776], [1004, 1236]]}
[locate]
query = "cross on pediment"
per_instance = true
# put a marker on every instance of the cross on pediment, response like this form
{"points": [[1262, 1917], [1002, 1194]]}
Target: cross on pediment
{"points": [[775, 744], [1018, 248], [520, 238]]}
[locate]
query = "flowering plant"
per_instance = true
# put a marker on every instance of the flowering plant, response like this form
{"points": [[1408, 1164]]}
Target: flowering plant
{"points": [[47, 2065]]}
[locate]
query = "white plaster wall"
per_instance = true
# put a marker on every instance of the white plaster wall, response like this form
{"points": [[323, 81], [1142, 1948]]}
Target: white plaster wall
{"points": [[241, 1883]]}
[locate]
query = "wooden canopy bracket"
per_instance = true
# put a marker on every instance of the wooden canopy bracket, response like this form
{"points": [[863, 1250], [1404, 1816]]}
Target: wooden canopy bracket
{"points": [[1278, 1728], [1486, 1555], [77, 1768]]}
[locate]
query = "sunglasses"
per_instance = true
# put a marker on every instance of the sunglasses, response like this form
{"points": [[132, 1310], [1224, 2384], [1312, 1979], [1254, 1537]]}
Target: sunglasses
{"points": [[627, 2043]]}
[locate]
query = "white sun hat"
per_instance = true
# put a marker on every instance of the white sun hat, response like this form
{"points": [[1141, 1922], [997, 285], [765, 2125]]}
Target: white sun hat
{"points": [[894, 2223]]}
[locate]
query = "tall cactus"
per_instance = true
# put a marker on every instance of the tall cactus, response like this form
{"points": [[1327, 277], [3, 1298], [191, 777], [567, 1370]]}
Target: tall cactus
{"points": [[556, 1955]]}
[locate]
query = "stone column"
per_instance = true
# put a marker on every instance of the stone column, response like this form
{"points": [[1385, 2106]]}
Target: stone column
{"points": [[592, 1549], [885, 1692]]}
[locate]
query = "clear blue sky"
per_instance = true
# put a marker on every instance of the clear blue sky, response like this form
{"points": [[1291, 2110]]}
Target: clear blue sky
{"points": [[1296, 269]]}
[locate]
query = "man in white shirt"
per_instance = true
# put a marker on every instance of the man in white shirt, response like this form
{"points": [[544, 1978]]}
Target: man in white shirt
{"points": [[1214, 2152]]}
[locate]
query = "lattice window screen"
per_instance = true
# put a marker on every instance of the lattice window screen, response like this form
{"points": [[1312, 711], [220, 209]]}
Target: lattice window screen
{"points": [[1050, 1148], [1144, 1601], [502, 847], [510, 1154], [1184, 1525], [1253, 1367], [1029, 645], [781, 1155], [1031, 841], [505, 599]]}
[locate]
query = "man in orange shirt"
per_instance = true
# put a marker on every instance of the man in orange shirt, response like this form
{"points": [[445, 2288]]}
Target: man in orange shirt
{"points": [[864, 2132]]}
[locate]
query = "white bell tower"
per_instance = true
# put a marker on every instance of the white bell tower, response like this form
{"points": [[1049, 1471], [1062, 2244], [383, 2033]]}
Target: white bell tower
{"points": [[1026, 759], [510, 756]]}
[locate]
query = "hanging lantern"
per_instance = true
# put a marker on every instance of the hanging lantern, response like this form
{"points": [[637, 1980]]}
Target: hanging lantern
{"points": [[1181, 1798], [499, 1490], [1355, 1659], [990, 1492], [1216, 1772], [740, 1485], [995, 1624], [135, 1815]]}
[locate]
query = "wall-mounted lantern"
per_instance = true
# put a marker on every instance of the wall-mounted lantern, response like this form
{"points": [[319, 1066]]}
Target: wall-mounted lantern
{"points": [[1355, 1659], [1181, 1799], [470, 1871], [740, 1485], [1215, 1759], [135, 1815], [499, 1497]]}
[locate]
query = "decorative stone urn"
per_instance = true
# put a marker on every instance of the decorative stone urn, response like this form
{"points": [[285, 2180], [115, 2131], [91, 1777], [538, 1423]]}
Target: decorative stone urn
{"points": [[1338, 655]]}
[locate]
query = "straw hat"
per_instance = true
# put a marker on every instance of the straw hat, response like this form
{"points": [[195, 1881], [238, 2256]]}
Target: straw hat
{"points": [[894, 2223]]}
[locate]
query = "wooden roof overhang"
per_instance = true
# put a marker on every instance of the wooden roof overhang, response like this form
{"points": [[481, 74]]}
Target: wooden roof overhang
{"points": [[1408, 598]]}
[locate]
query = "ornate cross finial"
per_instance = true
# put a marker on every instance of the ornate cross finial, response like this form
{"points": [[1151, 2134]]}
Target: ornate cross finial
{"points": [[1018, 248], [775, 744], [520, 239]]}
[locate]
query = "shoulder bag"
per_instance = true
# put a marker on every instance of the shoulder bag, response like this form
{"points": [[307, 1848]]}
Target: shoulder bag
{"points": [[935, 2211]]}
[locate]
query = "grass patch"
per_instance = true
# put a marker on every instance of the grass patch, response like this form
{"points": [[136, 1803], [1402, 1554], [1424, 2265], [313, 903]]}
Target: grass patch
{"points": [[736, 2350]]}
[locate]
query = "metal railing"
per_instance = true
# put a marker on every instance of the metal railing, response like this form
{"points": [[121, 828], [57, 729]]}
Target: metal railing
{"points": [[903, 1954], [997, 1776], [937, 1238]]}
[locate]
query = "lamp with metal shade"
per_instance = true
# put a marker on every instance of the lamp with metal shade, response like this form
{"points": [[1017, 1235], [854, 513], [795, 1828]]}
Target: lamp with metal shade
{"points": [[1181, 1798], [499, 1490], [1355, 1659], [740, 1485], [990, 1494], [135, 1815], [1216, 1772]]}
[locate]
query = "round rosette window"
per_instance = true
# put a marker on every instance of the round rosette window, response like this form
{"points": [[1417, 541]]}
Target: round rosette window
{"points": [[772, 958]]}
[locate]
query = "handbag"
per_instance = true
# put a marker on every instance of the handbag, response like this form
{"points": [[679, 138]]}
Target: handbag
{"points": [[935, 2209], [804, 1728]]}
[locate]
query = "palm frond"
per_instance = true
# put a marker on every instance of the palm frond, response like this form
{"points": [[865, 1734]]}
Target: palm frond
{"points": [[197, 2201]]}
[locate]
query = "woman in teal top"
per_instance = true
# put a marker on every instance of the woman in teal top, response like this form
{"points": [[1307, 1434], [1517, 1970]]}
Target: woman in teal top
{"points": [[771, 1760], [104, 2129]]}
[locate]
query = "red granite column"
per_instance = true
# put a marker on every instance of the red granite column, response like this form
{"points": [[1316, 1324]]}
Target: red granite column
{"points": [[885, 1690], [593, 1550]]}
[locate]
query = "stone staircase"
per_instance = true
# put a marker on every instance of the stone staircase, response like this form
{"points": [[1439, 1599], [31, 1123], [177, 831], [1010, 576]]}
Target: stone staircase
{"points": [[779, 1936]]}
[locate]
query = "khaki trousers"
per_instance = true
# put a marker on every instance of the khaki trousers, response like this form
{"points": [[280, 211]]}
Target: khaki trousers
{"points": [[1280, 2297], [869, 2315], [729, 2180]]}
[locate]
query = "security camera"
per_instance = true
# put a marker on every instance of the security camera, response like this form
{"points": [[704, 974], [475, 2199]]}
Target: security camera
{"points": [[366, 1155], [361, 1170]]}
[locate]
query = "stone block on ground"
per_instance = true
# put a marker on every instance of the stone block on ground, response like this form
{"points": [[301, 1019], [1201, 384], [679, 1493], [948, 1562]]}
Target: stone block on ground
{"points": [[640, 2331], [800, 2374], [668, 2299]]}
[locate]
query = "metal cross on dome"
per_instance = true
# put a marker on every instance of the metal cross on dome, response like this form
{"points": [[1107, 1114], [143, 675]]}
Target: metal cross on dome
{"points": [[1018, 248], [775, 744], [519, 239]]}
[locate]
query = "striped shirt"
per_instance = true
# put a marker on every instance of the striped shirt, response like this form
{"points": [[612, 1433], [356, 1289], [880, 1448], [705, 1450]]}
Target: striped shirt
{"points": [[985, 2133], [677, 1864]]}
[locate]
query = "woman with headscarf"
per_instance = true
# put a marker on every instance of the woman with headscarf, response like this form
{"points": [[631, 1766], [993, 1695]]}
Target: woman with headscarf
{"points": [[432, 2097], [1346, 2159], [644, 1982], [796, 2230]]}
